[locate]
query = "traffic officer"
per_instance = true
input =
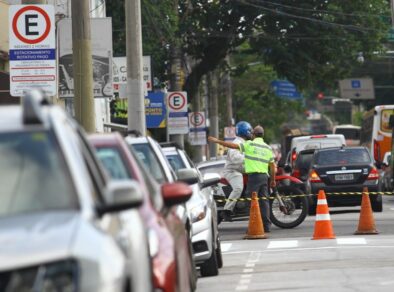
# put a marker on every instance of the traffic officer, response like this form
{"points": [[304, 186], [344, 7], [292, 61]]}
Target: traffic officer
{"points": [[234, 168], [259, 166]]}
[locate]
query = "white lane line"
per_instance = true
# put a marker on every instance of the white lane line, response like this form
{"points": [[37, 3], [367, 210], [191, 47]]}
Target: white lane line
{"points": [[359, 240], [392, 209], [254, 257], [244, 281], [225, 246], [247, 271], [246, 276], [283, 244], [250, 265], [241, 288]]}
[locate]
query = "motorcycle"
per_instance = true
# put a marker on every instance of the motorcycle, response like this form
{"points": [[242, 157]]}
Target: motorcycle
{"points": [[288, 204]]}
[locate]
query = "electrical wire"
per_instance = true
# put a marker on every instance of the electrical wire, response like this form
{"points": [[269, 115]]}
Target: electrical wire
{"points": [[98, 6], [323, 22]]}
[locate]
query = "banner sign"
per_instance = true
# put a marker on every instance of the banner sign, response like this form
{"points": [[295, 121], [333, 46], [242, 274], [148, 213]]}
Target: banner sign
{"points": [[155, 110]]}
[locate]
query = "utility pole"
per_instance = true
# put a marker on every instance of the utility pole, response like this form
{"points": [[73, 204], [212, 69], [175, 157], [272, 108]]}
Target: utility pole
{"points": [[229, 94], [82, 65], [135, 94], [213, 84]]}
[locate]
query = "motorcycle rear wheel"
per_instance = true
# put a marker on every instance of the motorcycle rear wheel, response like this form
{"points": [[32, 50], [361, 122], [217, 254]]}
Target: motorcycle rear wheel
{"points": [[297, 206]]}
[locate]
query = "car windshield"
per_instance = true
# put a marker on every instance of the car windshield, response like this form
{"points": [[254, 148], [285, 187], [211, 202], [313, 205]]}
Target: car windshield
{"points": [[33, 174], [214, 168], [343, 157], [147, 156], [113, 162], [175, 161]]}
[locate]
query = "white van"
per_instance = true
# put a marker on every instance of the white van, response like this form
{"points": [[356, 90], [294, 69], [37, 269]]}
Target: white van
{"points": [[315, 142]]}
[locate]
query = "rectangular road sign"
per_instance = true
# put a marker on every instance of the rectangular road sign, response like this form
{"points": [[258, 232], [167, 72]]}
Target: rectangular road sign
{"points": [[32, 49], [357, 88], [178, 122], [198, 128]]}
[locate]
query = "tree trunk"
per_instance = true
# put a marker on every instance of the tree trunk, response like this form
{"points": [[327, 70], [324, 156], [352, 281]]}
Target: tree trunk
{"points": [[213, 80]]}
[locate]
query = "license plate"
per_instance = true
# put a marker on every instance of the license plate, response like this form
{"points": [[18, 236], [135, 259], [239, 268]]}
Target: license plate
{"points": [[344, 177]]}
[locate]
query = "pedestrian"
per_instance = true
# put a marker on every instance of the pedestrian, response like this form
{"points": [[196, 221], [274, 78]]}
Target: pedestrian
{"points": [[259, 166], [234, 168]]}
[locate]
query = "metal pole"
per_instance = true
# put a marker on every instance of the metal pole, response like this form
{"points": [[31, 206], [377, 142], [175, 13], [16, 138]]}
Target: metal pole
{"points": [[135, 93], [82, 65], [229, 95]]}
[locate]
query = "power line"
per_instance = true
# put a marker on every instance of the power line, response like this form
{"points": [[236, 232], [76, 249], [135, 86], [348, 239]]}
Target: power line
{"points": [[98, 6], [323, 22], [323, 11]]}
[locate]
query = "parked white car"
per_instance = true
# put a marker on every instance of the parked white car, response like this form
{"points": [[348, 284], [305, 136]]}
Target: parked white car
{"points": [[203, 214], [63, 225]]}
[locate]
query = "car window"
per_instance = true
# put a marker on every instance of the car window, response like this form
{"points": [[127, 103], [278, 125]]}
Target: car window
{"points": [[113, 162], [33, 174], [175, 161], [343, 157], [147, 156]]}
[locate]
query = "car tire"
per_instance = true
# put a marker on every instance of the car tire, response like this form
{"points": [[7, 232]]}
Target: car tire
{"points": [[210, 267], [193, 272], [377, 205], [219, 255]]}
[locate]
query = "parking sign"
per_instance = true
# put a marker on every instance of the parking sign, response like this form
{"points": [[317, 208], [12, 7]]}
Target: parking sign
{"points": [[32, 49]]}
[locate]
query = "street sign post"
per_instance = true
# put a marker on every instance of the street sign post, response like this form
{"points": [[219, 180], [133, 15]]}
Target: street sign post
{"points": [[198, 128], [357, 88], [178, 122], [285, 89], [229, 133], [32, 49]]}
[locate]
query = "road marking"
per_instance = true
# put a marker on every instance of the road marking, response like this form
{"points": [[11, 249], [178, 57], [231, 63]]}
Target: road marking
{"points": [[241, 288], [250, 265], [351, 240], [392, 209], [244, 281], [225, 246], [254, 257], [246, 276], [248, 271], [283, 244]]}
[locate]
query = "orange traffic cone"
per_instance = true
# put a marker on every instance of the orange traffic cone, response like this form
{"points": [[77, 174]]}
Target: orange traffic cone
{"points": [[323, 224], [255, 228], [366, 223]]}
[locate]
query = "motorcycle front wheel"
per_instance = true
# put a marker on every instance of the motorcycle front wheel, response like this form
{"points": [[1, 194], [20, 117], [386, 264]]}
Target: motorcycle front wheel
{"points": [[296, 207]]}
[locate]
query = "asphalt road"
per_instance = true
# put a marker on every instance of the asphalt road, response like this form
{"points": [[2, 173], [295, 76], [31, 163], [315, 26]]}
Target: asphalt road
{"points": [[290, 261]]}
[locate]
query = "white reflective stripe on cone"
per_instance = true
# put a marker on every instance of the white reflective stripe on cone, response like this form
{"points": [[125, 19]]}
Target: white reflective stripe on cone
{"points": [[322, 217], [322, 202]]}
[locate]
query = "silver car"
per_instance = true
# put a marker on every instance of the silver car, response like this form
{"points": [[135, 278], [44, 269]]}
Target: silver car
{"points": [[63, 225], [203, 214]]}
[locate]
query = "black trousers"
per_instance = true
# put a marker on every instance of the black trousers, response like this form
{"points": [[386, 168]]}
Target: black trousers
{"points": [[258, 182]]}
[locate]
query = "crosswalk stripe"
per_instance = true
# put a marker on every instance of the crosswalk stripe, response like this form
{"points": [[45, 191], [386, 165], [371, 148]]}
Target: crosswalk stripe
{"points": [[283, 244]]}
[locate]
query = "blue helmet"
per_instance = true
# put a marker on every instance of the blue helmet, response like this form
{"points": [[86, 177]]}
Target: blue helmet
{"points": [[243, 129]]}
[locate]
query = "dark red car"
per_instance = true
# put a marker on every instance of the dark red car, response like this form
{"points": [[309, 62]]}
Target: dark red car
{"points": [[168, 242]]}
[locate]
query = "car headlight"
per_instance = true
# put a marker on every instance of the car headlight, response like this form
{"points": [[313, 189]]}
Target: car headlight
{"points": [[153, 240], [198, 212], [59, 276]]}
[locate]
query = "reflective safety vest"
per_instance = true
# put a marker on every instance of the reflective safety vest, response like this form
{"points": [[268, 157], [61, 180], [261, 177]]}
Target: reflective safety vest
{"points": [[258, 155]]}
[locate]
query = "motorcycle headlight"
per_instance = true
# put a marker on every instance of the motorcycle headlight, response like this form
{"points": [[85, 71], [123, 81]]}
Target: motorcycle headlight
{"points": [[59, 276], [198, 212]]}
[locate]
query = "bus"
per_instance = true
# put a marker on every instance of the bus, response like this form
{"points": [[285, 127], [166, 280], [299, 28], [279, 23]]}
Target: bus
{"points": [[376, 132], [351, 132]]}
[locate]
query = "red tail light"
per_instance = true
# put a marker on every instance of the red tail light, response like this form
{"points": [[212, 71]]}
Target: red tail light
{"points": [[318, 136], [373, 175], [376, 150], [296, 173], [314, 177], [293, 155]]}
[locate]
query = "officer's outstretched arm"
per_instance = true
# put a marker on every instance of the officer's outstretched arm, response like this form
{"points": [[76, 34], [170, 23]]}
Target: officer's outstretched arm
{"points": [[223, 143]]}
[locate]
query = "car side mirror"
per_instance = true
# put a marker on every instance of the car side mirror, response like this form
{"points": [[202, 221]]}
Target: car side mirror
{"points": [[187, 175], [175, 193], [120, 196], [210, 179]]}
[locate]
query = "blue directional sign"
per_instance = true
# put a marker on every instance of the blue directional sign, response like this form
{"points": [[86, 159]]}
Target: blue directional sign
{"points": [[155, 110], [285, 89]]}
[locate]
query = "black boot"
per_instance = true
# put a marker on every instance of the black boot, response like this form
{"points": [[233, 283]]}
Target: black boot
{"points": [[226, 215]]}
